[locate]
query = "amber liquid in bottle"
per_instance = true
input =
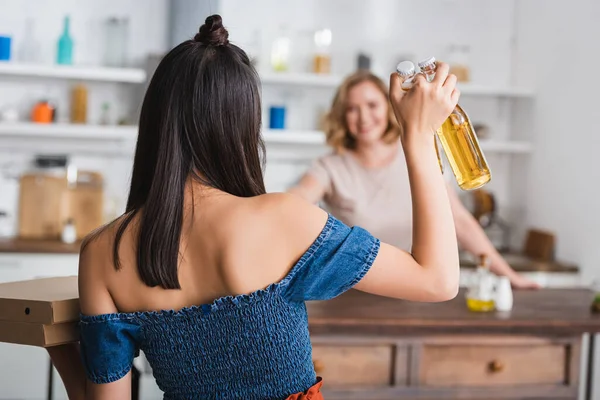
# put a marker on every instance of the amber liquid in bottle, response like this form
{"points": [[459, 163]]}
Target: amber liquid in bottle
{"points": [[79, 104], [461, 146], [477, 305], [479, 294], [462, 150]]}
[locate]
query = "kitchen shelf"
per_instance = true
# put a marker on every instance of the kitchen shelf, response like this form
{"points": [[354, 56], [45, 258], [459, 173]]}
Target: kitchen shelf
{"points": [[126, 75], [299, 79], [470, 89], [318, 138], [129, 133], [284, 136], [68, 131], [332, 81]]}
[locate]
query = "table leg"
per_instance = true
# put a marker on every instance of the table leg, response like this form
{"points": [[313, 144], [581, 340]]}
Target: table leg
{"points": [[589, 376], [135, 383], [50, 381]]}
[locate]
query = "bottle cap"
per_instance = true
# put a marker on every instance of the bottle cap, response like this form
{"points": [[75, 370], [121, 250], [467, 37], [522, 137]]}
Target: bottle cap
{"points": [[405, 68], [427, 62]]}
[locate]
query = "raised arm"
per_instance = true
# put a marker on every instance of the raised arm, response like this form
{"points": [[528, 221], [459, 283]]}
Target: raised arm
{"points": [[431, 271]]}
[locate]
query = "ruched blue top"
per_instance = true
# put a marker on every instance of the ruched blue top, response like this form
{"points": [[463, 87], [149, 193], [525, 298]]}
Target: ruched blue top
{"points": [[253, 346]]}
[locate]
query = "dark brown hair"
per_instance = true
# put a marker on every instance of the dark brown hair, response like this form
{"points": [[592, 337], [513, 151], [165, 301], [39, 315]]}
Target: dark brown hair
{"points": [[200, 118]]}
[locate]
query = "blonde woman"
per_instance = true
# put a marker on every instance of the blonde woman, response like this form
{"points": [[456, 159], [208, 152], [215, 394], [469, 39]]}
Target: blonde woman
{"points": [[364, 182]]}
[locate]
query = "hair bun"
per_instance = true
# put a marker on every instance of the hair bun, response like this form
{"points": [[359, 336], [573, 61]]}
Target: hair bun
{"points": [[212, 33]]}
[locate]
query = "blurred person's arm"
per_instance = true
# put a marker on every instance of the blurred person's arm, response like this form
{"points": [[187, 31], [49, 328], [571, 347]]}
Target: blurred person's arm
{"points": [[309, 188], [472, 238]]}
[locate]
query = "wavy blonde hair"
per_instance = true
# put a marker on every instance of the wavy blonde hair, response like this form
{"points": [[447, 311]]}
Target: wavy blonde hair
{"points": [[336, 128]]}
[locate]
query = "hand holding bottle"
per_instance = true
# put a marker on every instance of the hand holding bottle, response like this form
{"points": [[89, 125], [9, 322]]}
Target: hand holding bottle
{"points": [[424, 108]]}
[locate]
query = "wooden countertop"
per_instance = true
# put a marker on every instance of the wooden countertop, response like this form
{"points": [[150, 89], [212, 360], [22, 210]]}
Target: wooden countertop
{"points": [[15, 245], [545, 311], [521, 263]]}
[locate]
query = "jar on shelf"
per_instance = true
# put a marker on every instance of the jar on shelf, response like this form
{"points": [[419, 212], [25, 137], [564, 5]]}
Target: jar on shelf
{"points": [[79, 100], [322, 57], [458, 60], [43, 112], [281, 51], [116, 42]]}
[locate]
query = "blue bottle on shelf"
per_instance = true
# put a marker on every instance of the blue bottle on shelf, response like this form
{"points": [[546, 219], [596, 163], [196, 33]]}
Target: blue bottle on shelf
{"points": [[65, 45], [277, 117], [5, 48]]}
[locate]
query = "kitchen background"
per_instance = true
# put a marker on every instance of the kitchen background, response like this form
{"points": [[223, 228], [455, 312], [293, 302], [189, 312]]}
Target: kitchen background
{"points": [[531, 89]]}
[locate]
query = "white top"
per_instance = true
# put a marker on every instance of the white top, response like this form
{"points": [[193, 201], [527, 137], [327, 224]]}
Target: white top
{"points": [[376, 199]]}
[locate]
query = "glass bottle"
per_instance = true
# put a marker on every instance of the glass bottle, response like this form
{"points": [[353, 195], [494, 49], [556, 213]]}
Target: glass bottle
{"points": [[105, 114], [480, 294], [117, 40], [79, 104], [406, 70], [30, 47], [281, 51], [65, 45], [458, 59], [460, 142], [322, 59]]}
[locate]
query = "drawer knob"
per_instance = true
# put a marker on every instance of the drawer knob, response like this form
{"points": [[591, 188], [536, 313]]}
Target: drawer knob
{"points": [[319, 366], [496, 366]]}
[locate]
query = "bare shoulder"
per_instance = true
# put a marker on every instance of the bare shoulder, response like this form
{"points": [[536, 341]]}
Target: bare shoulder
{"points": [[272, 231], [95, 267], [290, 213]]}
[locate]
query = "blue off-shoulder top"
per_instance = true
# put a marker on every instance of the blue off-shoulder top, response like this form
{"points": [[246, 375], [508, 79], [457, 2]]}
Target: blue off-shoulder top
{"points": [[253, 346]]}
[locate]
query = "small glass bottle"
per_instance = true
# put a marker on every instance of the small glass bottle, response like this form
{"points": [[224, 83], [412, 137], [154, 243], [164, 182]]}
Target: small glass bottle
{"points": [[69, 234], [406, 70], [322, 59], [79, 104], [281, 51], [117, 40], [105, 114], [30, 47], [65, 45], [460, 142], [480, 294], [458, 59]]}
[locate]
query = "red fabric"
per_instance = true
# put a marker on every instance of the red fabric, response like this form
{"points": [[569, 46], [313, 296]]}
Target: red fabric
{"points": [[313, 393]]}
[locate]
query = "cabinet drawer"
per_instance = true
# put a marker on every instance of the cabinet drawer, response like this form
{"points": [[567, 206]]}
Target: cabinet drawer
{"points": [[355, 365], [493, 365]]}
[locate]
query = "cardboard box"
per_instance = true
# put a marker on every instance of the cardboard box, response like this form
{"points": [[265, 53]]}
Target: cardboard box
{"points": [[38, 334], [39, 312]]}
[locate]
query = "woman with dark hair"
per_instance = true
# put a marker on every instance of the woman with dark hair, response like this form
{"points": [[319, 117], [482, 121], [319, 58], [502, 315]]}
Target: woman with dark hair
{"points": [[207, 274]]}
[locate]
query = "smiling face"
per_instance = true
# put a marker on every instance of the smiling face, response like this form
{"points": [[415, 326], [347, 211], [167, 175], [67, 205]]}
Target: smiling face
{"points": [[366, 113]]}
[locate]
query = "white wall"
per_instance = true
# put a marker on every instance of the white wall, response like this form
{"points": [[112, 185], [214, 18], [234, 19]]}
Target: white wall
{"points": [[186, 17], [557, 53]]}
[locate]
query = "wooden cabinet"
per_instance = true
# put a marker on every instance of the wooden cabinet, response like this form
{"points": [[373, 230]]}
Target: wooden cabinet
{"points": [[370, 347], [366, 365], [477, 364], [447, 367]]}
